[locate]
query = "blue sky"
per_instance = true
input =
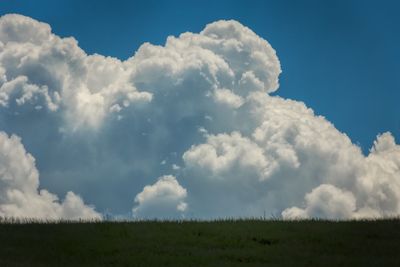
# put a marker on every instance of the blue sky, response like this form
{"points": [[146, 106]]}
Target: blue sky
{"points": [[340, 57], [195, 126]]}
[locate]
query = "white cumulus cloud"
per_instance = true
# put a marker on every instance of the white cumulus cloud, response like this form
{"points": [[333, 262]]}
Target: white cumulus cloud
{"points": [[20, 196], [163, 199], [44, 69], [200, 103], [325, 201]]}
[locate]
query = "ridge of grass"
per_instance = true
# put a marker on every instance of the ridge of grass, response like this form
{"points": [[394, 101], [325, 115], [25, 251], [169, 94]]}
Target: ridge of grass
{"points": [[225, 242]]}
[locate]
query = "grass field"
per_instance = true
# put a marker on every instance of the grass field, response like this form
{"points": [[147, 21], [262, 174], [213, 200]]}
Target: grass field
{"points": [[219, 243]]}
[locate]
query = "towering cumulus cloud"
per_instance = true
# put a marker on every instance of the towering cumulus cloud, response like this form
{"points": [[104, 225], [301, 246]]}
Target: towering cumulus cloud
{"points": [[197, 113]]}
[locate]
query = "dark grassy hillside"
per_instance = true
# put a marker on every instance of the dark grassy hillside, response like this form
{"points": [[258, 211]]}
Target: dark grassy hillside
{"points": [[223, 243]]}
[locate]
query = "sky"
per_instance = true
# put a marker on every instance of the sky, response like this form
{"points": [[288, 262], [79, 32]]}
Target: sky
{"points": [[349, 47], [339, 58]]}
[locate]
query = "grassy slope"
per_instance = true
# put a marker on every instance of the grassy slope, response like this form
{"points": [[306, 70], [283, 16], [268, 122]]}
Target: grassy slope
{"points": [[225, 243]]}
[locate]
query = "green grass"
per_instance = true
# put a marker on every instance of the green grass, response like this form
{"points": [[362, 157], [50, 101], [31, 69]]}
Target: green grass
{"points": [[218, 243]]}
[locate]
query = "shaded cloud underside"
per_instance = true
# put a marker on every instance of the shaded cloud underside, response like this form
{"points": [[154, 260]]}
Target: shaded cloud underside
{"points": [[200, 105]]}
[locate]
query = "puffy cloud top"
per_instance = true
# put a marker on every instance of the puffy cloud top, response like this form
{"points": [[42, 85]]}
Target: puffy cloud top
{"points": [[21, 29], [325, 201], [44, 70], [163, 199]]}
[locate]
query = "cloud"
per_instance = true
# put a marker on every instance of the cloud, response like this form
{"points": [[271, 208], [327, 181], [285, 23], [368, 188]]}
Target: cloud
{"points": [[201, 104], [225, 153], [163, 199], [325, 201], [375, 192], [225, 96], [19, 183], [42, 69]]}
